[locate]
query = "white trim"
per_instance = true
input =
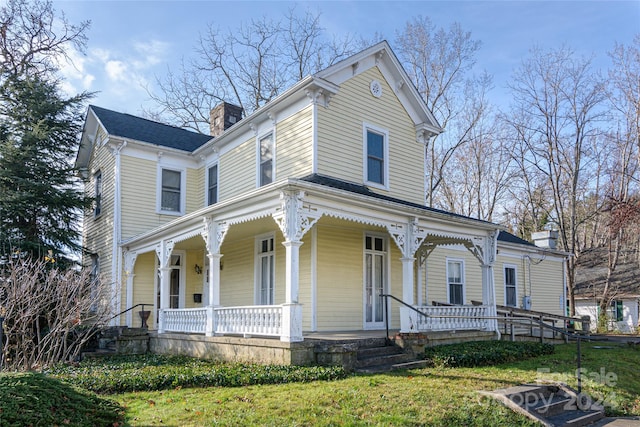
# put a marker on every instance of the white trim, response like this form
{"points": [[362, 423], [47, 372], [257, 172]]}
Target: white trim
{"points": [[504, 283], [183, 189], [373, 325], [256, 257], [314, 137], [314, 279], [367, 127], [259, 138], [463, 278]]}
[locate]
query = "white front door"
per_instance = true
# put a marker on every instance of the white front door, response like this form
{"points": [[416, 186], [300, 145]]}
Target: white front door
{"points": [[375, 278]]}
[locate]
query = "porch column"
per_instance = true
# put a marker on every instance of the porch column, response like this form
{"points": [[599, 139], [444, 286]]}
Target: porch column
{"points": [[409, 238], [163, 251], [488, 282], [294, 222], [213, 234], [408, 317], [129, 263]]}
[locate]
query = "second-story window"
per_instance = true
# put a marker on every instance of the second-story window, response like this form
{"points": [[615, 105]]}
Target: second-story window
{"points": [[266, 160], [212, 185], [376, 168], [170, 198], [97, 204]]}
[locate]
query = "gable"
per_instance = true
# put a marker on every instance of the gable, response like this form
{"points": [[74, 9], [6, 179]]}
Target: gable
{"points": [[341, 130]]}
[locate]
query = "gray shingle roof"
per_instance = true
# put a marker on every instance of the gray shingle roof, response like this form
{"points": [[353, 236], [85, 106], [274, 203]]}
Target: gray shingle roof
{"points": [[140, 129]]}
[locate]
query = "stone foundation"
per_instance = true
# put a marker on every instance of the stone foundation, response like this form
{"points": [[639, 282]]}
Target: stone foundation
{"points": [[234, 349]]}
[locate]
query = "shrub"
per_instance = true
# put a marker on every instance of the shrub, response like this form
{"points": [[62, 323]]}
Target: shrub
{"points": [[118, 374], [484, 353], [32, 399]]}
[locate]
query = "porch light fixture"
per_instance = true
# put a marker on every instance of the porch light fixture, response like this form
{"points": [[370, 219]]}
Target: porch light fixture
{"points": [[198, 269]]}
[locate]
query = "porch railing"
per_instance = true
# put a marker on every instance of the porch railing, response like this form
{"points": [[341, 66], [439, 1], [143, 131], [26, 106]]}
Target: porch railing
{"points": [[453, 318], [189, 320], [249, 320], [263, 320]]}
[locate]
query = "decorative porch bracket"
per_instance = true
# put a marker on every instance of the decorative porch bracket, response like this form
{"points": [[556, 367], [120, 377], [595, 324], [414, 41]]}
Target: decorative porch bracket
{"points": [[213, 234], [409, 238], [163, 251], [129, 263], [294, 220], [486, 252]]}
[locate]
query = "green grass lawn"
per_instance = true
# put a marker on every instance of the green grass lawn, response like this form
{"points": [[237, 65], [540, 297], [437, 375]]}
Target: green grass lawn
{"points": [[430, 396]]}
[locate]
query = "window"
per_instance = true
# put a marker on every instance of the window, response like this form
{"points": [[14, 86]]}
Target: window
{"points": [[265, 267], [455, 279], [617, 311], [510, 287], [171, 195], [212, 185], [97, 203], [375, 156], [266, 160]]}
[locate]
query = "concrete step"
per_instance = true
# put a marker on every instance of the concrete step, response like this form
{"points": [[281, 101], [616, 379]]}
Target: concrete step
{"points": [[386, 359], [576, 418], [364, 353], [553, 405]]}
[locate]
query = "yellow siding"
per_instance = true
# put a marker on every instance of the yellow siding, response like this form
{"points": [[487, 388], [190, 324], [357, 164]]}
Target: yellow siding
{"points": [[237, 170], [542, 280], [143, 285], [294, 145], [98, 232], [340, 276], [195, 189], [139, 191], [340, 139], [437, 274]]}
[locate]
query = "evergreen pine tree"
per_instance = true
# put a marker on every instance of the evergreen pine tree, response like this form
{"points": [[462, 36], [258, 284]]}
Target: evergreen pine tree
{"points": [[40, 201]]}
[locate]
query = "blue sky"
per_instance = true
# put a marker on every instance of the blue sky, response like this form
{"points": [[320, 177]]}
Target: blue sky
{"points": [[131, 42]]}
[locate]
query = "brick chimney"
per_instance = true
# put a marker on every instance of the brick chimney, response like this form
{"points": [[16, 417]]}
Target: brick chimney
{"points": [[223, 116], [545, 239]]}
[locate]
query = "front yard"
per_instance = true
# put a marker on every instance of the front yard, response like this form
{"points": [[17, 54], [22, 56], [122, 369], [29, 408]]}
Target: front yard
{"points": [[437, 396]]}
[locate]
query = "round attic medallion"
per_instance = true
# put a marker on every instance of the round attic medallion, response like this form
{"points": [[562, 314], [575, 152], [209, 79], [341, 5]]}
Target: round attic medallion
{"points": [[376, 88]]}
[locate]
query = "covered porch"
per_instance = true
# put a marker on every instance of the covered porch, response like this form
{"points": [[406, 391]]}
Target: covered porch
{"points": [[335, 278]]}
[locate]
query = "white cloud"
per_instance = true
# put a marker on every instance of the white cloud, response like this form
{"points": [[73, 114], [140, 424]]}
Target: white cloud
{"points": [[116, 70]]}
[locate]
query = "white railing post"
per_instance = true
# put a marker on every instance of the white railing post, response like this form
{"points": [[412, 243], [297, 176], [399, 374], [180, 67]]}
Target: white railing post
{"points": [[291, 323], [161, 321], [210, 327]]}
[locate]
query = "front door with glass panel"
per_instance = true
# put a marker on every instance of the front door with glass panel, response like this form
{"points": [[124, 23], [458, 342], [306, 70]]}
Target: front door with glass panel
{"points": [[375, 277]]}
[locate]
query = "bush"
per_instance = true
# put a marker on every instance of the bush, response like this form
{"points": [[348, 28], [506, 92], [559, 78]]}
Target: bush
{"points": [[484, 353], [32, 399], [119, 374]]}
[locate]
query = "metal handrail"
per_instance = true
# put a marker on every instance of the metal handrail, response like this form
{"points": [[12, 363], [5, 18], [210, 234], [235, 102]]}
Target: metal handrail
{"points": [[540, 322], [129, 309]]}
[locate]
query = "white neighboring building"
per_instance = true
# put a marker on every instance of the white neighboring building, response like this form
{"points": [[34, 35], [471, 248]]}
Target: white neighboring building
{"points": [[623, 313]]}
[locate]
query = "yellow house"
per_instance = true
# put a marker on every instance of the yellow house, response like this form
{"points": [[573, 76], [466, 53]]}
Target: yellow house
{"points": [[298, 218]]}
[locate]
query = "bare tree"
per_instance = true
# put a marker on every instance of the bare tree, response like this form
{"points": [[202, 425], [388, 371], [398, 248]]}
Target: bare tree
{"points": [[480, 170], [439, 61], [247, 66], [555, 115], [34, 39], [49, 314], [623, 146]]}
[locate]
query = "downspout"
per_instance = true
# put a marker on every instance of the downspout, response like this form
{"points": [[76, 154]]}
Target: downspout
{"points": [[116, 255]]}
